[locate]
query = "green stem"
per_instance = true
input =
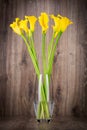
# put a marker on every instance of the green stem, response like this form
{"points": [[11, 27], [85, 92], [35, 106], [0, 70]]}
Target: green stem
{"points": [[32, 56], [33, 49], [53, 53], [44, 53], [31, 41], [44, 64], [50, 47]]}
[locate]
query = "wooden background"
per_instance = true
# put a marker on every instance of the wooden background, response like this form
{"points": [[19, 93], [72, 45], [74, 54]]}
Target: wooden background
{"points": [[17, 74]]}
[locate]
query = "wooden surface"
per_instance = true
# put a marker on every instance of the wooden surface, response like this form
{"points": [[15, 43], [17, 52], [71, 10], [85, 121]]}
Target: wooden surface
{"points": [[55, 124], [17, 74]]}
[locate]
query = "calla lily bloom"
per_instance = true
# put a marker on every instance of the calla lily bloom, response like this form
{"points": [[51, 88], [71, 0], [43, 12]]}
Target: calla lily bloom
{"points": [[23, 25], [64, 22], [61, 24], [56, 27], [43, 20], [15, 26], [32, 20]]}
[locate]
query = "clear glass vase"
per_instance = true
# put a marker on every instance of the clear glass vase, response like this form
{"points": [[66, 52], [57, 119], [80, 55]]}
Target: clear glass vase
{"points": [[43, 102]]}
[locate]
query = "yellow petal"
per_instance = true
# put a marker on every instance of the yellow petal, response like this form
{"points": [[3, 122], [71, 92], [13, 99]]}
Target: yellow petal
{"points": [[15, 26], [17, 20], [23, 25], [32, 20], [56, 27], [64, 23], [61, 23], [59, 16], [43, 20]]}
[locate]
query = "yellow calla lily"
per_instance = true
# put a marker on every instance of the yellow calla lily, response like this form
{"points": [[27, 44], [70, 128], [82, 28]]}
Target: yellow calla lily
{"points": [[23, 25], [43, 20], [32, 20], [56, 27], [61, 24], [15, 26], [64, 22]]}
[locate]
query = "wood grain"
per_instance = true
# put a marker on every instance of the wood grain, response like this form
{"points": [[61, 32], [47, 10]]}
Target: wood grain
{"points": [[17, 75], [58, 123]]}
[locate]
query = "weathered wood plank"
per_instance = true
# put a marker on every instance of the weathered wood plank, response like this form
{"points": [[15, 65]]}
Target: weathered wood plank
{"points": [[58, 123]]}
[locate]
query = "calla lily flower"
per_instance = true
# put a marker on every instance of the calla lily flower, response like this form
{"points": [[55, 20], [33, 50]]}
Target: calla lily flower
{"points": [[64, 22], [61, 24], [56, 27], [23, 25], [43, 20], [15, 26], [32, 20]]}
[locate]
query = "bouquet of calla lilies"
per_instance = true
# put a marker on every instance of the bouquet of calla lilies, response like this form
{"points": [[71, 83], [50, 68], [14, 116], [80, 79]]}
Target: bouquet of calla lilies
{"points": [[26, 28]]}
